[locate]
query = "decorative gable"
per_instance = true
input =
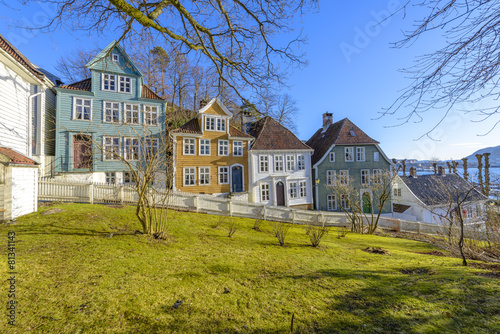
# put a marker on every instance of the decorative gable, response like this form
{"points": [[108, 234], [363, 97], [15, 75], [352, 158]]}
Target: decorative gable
{"points": [[114, 59]]}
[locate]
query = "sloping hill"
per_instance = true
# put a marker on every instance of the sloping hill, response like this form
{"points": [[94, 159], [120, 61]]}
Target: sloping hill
{"points": [[494, 157]]}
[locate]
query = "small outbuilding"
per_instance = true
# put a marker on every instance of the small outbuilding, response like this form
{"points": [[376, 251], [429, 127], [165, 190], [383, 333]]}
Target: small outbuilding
{"points": [[18, 184]]}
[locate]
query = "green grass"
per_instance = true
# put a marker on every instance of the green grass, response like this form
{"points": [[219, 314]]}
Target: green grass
{"points": [[73, 278]]}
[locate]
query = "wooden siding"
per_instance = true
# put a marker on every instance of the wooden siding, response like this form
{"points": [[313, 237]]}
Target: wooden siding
{"points": [[50, 123], [215, 109]]}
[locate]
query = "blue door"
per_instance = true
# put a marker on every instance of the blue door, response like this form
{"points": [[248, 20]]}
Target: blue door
{"points": [[237, 179]]}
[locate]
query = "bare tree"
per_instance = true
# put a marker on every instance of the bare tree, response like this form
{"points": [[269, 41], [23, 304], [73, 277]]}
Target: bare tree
{"points": [[72, 66], [281, 107], [465, 69]]}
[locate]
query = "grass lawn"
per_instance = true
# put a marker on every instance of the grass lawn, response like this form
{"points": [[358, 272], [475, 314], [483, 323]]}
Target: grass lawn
{"points": [[74, 277]]}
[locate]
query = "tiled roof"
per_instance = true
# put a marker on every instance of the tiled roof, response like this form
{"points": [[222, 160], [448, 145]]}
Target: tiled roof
{"points": [[84, 84], [19, 57], [271, 135], [234, 132], [192, 126], [16, 157], [439, 189], [338, 133]]}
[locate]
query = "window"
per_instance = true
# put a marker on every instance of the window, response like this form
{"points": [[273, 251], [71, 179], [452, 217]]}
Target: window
{"points": [[150, 115], [331, 202], [131, 114], [125, 86], [238, 148], [131, 149], [111, 148], [377, 176], [204, 146], [128, 177], [303, 189], [301, 162], [397, 192], [332, 156], [360, 154], [290, 163], [204, 175], [108, 82], [278, 163], [189, 146], [293, 189], [365, 177], [82, 109], [330, 177], [264, 192], [263, 163], [344, 201], [223, 147], [115, 57], [221, 124], [344, 177], [189, 176], [349, 154], [151, 147], [110, 177], [209, 123], [375, 156], [223, 175], [111, 112]]}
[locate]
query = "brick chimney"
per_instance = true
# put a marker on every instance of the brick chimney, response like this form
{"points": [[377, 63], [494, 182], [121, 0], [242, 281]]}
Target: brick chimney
{"points": [[203, 103], [413, 171], [327, 120], [441, 170]]}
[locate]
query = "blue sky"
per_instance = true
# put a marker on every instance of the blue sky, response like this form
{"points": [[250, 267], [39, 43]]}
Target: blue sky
{"points": [[352, 72]]}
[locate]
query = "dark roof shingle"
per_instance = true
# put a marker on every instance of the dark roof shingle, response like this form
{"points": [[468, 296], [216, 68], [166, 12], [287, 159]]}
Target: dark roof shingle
{"points": [[271, 135], [338, 133], [234, 132], [438, 189], [19, 57], [16, 157], [191, 126]]}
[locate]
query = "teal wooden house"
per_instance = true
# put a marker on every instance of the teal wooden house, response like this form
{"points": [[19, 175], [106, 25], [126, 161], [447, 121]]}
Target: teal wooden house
{"points": [[343, 152], [106, 119]]}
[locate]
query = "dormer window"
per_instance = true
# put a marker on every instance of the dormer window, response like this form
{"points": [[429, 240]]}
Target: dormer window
{"points": [[108, 82], [115, 57], [124, 85], [116, 83], [221, 124], [214, 123], [209, 123]]}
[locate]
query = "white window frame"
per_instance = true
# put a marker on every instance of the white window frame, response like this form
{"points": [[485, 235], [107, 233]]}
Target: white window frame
{"points": [[151, 146], [81, 105], [190, 144], [128, 177], [344, 177], [332, 156], [278, 162], [237, 148], [131, 112], [331, 199], [204, 147], [220, 124], [302, 189], [349, 154], [115, 57], [263, 164], [113, 107], [223, 148], [360, 154], [377, 176], [344, 201], [128, 143], [106, 146], [331, 177], [191, 173], [290, 163], [365, 177], [210, 123], [376, 156], [264, 192], [301, 162], [127, 83], [150, 114], [293, 192], [204, 176], [223, 174], [110, 177], [107, 79]]}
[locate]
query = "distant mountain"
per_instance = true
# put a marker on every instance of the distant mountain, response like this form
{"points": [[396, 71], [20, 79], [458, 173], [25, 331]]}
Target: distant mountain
{"points": [[494, 157]]}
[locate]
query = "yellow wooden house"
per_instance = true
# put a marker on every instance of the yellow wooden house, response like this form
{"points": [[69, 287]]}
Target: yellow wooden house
{"points": [[210, 156]]}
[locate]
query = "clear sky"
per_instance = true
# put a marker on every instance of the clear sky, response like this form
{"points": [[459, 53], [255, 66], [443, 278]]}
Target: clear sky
{"points": [[353, 72]]}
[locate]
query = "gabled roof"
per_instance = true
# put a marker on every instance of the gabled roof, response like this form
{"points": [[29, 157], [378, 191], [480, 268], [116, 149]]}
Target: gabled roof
{"points": [[106, 52], [234, 132], [343, 132], [271, 135], [439, 189], [16, 157], [192, 126], [219, 102], [20, 58]]}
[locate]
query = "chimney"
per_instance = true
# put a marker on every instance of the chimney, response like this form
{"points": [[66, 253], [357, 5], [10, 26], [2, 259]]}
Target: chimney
{"points": [[413, 171], [203, 103], [441, 170], [327, 120]]}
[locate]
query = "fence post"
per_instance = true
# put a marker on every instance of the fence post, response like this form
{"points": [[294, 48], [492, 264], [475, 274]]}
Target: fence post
{"points": [[121, 194], [292, 213], [195, 203], [229, 207], [264, 213], [91, 193], [418, 227]]}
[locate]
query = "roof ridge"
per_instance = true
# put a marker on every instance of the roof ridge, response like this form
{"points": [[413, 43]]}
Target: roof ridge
{"points": [[77, 82], [27, 63]]}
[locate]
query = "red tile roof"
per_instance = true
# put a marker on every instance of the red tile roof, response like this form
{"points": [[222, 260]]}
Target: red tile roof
{"points": [[343, 132], [20, 58], [16, 157], [192, 126], [271, 135], [234, 132]]}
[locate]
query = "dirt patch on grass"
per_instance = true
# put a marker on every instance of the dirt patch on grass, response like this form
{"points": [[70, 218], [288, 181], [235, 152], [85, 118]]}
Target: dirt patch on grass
{"points": [[494, 269], [376, 250], [418, 271], [433, 252]]}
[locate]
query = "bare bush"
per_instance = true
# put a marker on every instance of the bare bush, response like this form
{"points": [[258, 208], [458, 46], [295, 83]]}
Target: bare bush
{"points": [[317, 231], [231, 226], [280, 231]]}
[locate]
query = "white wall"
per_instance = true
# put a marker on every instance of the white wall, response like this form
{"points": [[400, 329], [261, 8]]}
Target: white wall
{"points": [[24, 190]]}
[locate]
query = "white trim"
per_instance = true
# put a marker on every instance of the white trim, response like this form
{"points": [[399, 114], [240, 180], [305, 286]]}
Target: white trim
{"points": [[147, 112], [113, 55], [138, 105], [184, 146], [199, 176], [115, 77], [219, 146], [237, 155], [209, 147], [364, 153], [184, 178], [323, 157], [218, 175], [104, 148], [221, 105], [104, 112], [124, 153], [74, 108]]}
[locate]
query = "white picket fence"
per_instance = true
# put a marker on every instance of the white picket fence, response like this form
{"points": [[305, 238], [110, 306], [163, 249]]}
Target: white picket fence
{"points": [[85, 192]]}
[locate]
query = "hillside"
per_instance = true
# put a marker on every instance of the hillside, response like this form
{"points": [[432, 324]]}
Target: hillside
{"points": [[494, 157], [86, 270]]}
